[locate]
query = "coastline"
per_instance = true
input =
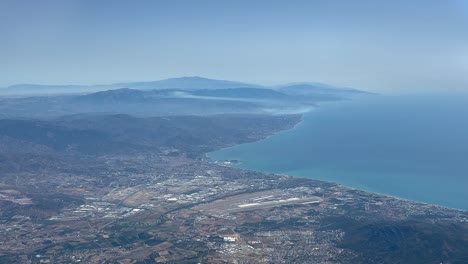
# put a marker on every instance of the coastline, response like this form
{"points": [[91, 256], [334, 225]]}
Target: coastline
{"points": [[238, 163], [220, 163], [301, 120]]}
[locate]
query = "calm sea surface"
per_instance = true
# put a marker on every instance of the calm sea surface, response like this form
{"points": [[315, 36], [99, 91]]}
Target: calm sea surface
{"points": [[413, 147]]}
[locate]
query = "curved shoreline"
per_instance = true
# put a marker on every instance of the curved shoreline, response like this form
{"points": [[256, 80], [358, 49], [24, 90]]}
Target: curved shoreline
{"points": [[239, 162], [217, 162]]}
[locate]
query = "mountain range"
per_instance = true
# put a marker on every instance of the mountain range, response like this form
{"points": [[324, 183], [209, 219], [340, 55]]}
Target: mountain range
{"points": [[184, 83], [176, 96], [171, 83]]}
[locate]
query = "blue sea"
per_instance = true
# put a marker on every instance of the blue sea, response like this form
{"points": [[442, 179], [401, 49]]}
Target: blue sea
{"points": [[412, 146]]}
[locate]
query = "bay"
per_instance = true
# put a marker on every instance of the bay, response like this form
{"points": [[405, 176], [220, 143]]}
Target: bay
{"points": [[412, 146]]}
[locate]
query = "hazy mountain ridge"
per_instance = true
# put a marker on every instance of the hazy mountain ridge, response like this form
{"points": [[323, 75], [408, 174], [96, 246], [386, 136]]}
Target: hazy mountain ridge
{"points": [[176, 96], [190, 83], [127, 94], [242, 92], [184, 83], [44, 89], [122, 94], [171, 83]]}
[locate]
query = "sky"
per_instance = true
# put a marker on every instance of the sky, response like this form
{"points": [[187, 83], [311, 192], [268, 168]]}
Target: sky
{"points": [[393, 45]]}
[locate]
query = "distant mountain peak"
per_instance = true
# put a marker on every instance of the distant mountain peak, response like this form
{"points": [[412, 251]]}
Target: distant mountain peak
{"points": [[188, 83], [191, 78]]}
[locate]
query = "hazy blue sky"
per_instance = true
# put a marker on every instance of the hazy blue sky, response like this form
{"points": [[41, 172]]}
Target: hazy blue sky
{"points": [[375, 45]]}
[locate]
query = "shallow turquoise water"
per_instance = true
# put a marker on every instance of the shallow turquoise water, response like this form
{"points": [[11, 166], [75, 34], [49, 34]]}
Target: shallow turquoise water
{"points": [[414, 147]]}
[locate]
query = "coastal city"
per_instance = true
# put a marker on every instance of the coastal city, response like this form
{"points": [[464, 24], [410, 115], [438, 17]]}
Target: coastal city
{"points": [[233, 132], [194, 211]]}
